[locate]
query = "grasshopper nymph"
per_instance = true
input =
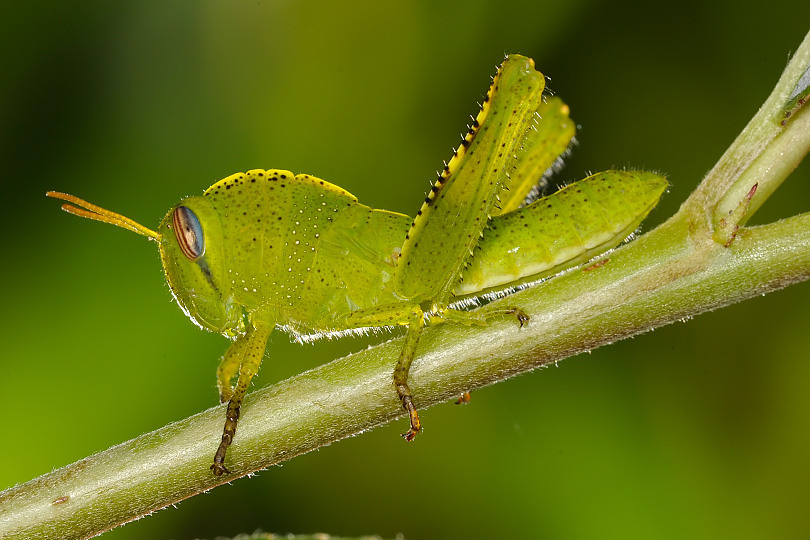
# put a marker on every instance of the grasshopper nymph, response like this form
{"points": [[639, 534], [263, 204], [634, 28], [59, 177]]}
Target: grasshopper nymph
{"points": [[269, 249]]}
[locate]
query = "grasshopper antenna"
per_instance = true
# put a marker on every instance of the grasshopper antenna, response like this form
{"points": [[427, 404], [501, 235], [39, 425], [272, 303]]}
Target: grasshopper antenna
{"points": [[91, 211]]}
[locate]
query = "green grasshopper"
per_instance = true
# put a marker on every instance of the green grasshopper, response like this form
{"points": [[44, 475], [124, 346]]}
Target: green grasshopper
{"points": [[268, 249]]}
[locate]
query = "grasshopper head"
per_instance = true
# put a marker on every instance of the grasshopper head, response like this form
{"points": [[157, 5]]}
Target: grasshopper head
{"points": [[193, 258], [191, 250]]}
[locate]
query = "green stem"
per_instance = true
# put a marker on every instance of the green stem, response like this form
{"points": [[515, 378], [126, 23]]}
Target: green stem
{"points": [[671, 273], [765, 152]]}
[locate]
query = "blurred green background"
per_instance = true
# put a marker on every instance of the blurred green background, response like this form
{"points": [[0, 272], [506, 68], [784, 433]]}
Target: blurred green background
{"points": [[699, 430]]}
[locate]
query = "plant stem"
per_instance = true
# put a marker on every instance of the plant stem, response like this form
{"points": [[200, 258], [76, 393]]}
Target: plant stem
{"points": [[671, 273]]}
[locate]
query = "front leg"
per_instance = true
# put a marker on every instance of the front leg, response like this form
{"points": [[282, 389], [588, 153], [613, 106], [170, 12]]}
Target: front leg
{"points": [[228, 369], [246, 352]]}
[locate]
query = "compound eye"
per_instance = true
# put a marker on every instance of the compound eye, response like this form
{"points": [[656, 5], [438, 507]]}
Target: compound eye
{"points": [[188, 231]]}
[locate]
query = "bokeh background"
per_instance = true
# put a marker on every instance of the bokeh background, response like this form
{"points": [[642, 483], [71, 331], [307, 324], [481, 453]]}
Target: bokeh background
{"points": [[698, 430]]}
